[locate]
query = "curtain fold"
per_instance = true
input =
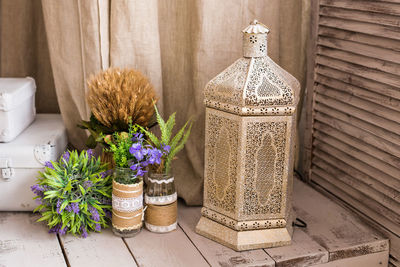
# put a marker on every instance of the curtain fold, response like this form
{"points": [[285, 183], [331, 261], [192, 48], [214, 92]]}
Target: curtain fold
{"points": [[179, 44], [74, 35], [24, 51]]}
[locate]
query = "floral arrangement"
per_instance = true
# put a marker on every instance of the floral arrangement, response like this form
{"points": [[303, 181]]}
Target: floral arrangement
{"points": [[164, 149], [74, 194], [117, 97], [130, 150]]}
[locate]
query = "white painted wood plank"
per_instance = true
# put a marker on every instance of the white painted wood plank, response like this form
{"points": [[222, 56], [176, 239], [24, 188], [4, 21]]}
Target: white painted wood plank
{"points": [[98, 249], [303, 251], [170, 249], [370, 260], [216, 254], [24, 242], [337, 229]]}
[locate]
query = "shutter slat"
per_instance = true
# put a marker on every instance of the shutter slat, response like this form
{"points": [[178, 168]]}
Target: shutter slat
{"points": [[370, 17], [337, 188], [370, 6], [363, 120], [359, 92], [352, 141], [391, 205], [368, 84], [359, 103], [362, 38], [361, 49], [372, 63], [359, 165], [360, 155], [366, 137], [376, 207], [364, 72], [374, 182], [363, 27]]}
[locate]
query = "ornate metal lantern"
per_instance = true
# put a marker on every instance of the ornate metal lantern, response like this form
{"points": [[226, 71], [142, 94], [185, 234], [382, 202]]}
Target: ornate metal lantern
{"points": [[250, 135]]}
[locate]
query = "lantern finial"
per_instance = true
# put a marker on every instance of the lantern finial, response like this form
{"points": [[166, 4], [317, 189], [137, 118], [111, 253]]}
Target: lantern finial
{"points": [[255, 40]]}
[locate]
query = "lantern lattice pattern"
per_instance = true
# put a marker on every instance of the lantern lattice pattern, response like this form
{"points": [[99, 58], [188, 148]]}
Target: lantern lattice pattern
{"points": [[250, 131]]}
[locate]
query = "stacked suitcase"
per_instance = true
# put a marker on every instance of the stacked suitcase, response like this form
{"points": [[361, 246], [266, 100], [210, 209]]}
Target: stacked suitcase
{"points": [[27, 141]]}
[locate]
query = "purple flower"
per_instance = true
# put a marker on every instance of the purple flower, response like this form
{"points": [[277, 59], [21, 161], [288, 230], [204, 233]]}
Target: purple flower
{"points": [[140, 172], [84, 232], [48, 164], [135, 147], [90, 153], [94, 213], [68, 208], [166, 148], [155, 156], [137, 137], [75, 207], [134, 167], [62, 231], [98, 227], [66, 156], [54, 229], [138, 151], [87, 184], [58, 206], [57, 229], [38, 190], [39, 201]]}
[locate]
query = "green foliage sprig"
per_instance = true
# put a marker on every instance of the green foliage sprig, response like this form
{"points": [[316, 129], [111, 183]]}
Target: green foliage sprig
{"points": [[120, 143], [74, 194], [98, 130], [174, 144]]}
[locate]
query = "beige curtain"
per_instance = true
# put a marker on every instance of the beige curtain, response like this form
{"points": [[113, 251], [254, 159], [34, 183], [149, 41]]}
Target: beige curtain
{"points": [[179, 44], [24, 51]]}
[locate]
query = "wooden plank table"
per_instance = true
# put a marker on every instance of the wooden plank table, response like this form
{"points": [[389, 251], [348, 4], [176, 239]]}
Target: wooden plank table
{"points": [[334, 237]]}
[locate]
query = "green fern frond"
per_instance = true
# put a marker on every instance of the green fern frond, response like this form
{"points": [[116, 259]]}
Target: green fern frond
{"points": [[160, 120], [167, 133], [178, 148], [178, 136]]}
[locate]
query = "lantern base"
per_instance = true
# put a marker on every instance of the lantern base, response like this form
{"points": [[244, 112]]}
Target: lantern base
{"points": [[244, 240]]}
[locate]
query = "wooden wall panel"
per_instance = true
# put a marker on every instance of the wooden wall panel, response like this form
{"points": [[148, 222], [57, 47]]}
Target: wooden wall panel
{"points": [[353, 102]]}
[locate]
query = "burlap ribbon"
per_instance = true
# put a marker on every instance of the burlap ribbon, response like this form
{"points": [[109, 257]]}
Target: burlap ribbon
{"points": [[164, 215], [127, 203]]}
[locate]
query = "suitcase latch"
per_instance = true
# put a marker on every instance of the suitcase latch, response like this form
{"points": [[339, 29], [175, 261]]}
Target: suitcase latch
{"points": [[6, 171], [7, 174]]}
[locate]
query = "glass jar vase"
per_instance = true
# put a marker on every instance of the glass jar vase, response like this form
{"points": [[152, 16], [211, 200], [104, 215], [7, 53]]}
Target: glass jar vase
{"points": [[127, 203], [161, 203]]}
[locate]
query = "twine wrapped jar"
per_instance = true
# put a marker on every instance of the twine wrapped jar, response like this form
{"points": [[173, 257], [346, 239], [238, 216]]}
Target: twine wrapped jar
{"points": [[127, 203], [161, 202]]}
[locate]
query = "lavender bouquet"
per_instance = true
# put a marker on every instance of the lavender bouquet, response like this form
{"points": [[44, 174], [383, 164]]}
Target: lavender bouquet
{"points": [[74, 194]]}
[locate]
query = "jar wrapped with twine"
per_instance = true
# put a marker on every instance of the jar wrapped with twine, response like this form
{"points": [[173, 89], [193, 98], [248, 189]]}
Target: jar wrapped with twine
{"points": [[127, 203], [161, 201]]}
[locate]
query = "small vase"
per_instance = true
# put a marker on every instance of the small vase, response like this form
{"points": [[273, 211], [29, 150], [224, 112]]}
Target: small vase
{"points": [[161, 201], [127, 203]]}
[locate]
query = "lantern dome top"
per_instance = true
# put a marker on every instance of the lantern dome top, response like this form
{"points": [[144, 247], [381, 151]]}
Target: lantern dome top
{"points": [[254, 84], [256, 27]]}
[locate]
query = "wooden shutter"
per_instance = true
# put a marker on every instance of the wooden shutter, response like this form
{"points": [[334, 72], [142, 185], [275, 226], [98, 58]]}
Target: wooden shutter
{"points": [[353, 118]]}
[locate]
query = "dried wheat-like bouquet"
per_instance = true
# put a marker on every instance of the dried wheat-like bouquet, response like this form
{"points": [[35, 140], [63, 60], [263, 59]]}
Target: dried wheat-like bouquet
{"points": [[118, 96]]}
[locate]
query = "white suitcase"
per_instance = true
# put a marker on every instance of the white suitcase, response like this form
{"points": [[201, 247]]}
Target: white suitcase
{"points": [[17, 106], [20, 160]]}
